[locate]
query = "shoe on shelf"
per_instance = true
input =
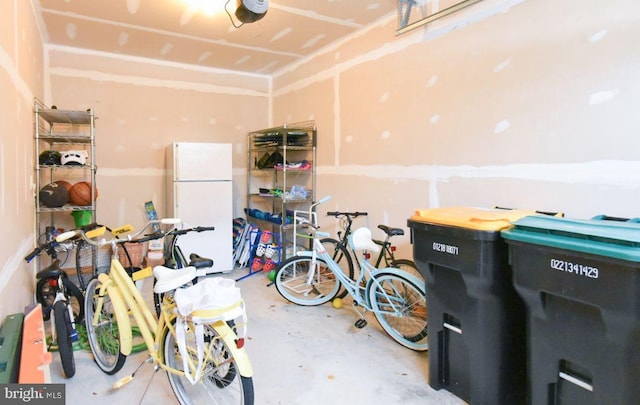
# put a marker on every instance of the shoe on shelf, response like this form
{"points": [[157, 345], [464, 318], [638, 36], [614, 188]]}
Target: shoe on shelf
{"points": [[266, 237], [256, 265], [269, 265]]}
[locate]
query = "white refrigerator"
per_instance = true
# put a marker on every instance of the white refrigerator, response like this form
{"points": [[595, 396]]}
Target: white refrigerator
{"points": [[199, 192]]}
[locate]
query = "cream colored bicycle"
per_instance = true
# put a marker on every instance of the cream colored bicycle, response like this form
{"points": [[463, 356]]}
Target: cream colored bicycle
{"points": [[199, 336]]}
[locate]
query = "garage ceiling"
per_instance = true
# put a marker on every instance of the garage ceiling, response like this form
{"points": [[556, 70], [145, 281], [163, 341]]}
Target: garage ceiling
{"points": [[180, 31]]}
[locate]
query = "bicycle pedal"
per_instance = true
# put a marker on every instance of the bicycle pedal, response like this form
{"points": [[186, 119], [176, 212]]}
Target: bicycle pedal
{"points": [[361, 323]]}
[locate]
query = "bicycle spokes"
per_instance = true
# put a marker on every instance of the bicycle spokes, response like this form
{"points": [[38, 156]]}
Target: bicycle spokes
{"points": [[401, 309]]}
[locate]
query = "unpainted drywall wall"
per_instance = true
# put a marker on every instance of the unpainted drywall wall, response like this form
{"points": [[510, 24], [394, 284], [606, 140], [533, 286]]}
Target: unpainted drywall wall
{"points": [[528, 104], [142, 108], [21, 79]]}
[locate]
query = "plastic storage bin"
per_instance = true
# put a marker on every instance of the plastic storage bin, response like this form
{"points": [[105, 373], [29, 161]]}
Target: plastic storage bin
{"points": [[476, 326], [580, 281]]}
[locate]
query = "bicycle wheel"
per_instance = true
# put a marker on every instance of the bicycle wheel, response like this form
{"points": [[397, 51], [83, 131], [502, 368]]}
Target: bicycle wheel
{"points": [[341, 256], [63, 338], [408, 266], [303, 284], [400, 306], [220, 382], [103, 335]]}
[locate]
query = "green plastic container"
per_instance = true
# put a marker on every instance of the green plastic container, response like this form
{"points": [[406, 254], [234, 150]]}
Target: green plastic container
{"points": [[81, 217]]}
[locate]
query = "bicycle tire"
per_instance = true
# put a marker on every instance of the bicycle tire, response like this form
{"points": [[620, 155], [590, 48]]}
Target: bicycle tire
{"points": [[400, 307], [409, 267], [340, 255], [64, 328], [104, 337], [221, 382], [292, 282]]}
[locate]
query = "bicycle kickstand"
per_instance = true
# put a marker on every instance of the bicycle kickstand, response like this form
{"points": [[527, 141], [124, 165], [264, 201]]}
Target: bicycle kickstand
{"points": [[362, 322], [129, 378]]}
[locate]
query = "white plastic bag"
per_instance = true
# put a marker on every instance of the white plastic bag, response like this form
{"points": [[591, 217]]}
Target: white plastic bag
{"points": [[211, 293]]}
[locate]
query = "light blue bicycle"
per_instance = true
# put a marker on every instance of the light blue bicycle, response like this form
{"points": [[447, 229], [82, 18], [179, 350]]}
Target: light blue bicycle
{"points": [[397, 298]]}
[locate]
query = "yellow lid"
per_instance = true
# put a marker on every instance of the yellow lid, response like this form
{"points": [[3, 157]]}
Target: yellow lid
{"points": [[484, 219]]}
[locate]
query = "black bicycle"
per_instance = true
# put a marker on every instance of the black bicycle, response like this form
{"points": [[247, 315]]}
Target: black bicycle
{"points": [[342, 254], [175, 259], [62, 302]]}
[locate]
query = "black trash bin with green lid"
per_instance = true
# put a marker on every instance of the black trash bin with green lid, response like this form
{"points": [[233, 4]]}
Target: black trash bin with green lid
{"points": [[580, 281], [476, 323]]}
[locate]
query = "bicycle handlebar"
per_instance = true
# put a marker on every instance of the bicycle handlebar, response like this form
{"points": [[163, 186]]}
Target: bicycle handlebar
{"points": [[195, 229], [347, 214], [303, 220], [321, 201], [44, 247]]}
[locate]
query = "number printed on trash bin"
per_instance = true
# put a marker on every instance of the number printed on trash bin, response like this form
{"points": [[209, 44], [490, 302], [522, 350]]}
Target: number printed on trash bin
{"points": [[444, 248], [574, 268]]}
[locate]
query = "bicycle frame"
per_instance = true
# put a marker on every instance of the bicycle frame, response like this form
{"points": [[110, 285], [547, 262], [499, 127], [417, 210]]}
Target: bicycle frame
{"points": [[353, 287], [386, 254], [127, 300]]}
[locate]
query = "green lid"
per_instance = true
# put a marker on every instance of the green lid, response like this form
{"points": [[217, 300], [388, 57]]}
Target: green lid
{"points": [[615, 239]]}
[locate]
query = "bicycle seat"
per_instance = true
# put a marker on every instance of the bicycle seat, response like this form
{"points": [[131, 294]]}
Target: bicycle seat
{"points": [[52, 270], [391, 231], [199, 262], [168, 279]]}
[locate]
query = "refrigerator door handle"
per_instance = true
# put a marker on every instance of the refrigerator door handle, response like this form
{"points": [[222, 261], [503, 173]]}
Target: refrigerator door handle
{"points": [[176, 199]]}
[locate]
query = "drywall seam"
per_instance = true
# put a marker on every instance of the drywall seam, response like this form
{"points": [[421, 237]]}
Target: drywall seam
{"points": [[149, 82], [385, 20], [337, 122], [2, 180], [315, 16], [169, 33], [8, 65], [132, 172], [600, 172], [150, 61], [15, 262], [270, 103], [37, 16], [389, 48]]}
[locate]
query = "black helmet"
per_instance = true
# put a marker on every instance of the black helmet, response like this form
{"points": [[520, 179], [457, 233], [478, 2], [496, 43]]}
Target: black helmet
{"points": [[49, 157]]}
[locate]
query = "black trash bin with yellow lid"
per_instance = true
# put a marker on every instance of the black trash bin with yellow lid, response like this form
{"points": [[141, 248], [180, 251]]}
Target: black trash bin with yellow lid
{"points": [[476, 325], [580, 281]]}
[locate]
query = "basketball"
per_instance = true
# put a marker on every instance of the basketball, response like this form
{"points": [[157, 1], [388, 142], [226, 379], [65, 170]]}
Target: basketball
{"points": [[53, 195], [64, 183], [80, 193]]}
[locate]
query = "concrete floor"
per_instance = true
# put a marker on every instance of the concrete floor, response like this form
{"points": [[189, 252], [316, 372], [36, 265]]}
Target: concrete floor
{"points": [[300, 356]]}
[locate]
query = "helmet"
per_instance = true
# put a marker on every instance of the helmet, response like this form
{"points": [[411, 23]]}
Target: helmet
{"points": [[74, 157], [54, 195], [49, 157]]}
